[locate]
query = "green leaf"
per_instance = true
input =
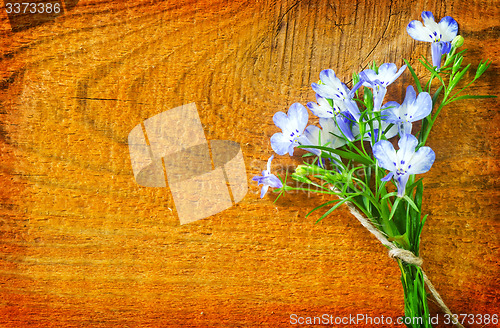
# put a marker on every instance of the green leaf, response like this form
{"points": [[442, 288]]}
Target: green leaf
{"points": [[322, 205], [394, 207], [469, 97], [482, 68], [389, 195], [402, 240], [415, 78], [424, 219], [419, 194], [334, 208], [408, 199], [325, 191], [429, 68], [457, 64], [458, 77], [410, 187], [436, 94], [343, 154], [283, 183], [440, 80]]}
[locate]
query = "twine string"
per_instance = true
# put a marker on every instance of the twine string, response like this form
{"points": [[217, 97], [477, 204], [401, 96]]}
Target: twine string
{"points": [[401, 254]]}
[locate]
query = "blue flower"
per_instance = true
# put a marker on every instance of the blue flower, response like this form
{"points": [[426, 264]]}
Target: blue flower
{"points": [[328, 136], [405, 161], [344, 119], [293, 126], [323, 109], [267, 179], [440, 34], [387, 73], [332, 88], [411, 110]]}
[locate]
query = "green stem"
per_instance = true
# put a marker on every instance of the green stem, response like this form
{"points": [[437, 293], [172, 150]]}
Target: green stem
{"points": [[416, 307]]}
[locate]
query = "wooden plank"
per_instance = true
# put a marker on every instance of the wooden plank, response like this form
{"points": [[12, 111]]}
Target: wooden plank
{"points": [[83, 245]]}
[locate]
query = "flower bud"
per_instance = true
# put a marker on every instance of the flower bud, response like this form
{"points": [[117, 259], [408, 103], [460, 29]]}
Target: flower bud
{"points": [[368, 98], [457, 64], [458, 41], [301, 170]]}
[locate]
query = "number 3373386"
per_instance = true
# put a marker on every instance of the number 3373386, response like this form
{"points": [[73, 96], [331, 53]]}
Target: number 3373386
{"points": [[32, 8]]}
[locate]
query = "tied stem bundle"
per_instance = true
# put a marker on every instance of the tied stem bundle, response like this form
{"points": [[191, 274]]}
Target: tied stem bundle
{"points": [[401, 254]]}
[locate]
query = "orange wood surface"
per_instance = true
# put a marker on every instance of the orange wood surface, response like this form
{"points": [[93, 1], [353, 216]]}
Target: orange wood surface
{"points": [[82, 245]]}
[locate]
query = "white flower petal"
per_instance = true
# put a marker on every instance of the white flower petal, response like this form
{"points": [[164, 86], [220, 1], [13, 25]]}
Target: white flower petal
{"points": [[428, 18], [281, 120], [407, 145], [448, 28], [269, 163], [385, 154], [421, 161], [312, 133], [329, 78], [280, 143], [298, 116], [420, 108], [419, 32]]}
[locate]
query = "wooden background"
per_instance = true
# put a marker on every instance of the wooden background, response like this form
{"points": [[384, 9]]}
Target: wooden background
{"points": [[83, 245]]}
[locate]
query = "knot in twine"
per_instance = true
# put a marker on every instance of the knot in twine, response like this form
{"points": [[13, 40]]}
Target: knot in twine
{"points": [[401, 254], [405, 256]]}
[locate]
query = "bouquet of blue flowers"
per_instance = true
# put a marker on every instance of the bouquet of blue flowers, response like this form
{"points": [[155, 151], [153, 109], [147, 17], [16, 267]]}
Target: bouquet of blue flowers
{"points": [[356, 160]]}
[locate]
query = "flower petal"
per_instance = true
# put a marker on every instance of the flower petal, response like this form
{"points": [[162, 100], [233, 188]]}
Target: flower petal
{"points": [[258, 179], [355, 88], [393, 131], [280, 143], [401, 182], [391, 114], [312, 135], [436, 51], [324, 91], [322, 108], [344, 125], [298, 116], [410, 96], [448, 28], [385, 154], [428, 18], [353, 109], [398, 74], [328, 77], [386, 71], [269, 163], [407, 145], [418, 32], [421, 108], [332, 132], [274, 182], [378, 98], [368, 76], [263, 191], [388, 177], [281, 120], [404, 128], [421, 161]]}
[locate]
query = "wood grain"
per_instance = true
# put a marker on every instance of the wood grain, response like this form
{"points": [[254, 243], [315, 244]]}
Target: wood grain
{"points": [[83, 245]]}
